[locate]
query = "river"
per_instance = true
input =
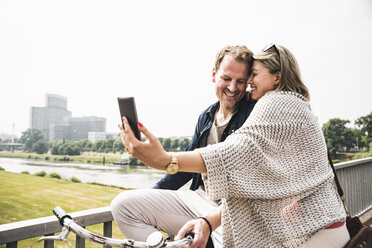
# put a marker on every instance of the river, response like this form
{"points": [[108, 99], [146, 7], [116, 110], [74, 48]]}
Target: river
{"points": [[129, 176]]}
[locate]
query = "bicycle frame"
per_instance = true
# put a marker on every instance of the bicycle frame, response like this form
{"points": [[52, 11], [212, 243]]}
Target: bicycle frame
{"points": [[154, 240]]}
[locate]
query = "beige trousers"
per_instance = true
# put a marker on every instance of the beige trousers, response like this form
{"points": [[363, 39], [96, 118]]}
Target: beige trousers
{"points": [[328, 238], [139, 213]]}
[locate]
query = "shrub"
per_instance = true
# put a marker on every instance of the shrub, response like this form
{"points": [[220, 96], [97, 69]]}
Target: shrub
{"points": [[40, 174], [1, 168], [132, 161], [360, 155], [46, 158], [64, 158], [25, 172], [75, 180], [66, 147], [55, 175], [40, 147]]}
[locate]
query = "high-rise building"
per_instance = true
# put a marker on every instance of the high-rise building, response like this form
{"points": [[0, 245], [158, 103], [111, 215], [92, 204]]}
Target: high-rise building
{"points": [[95, 136], [81, 126], [56, 123], [54, 113], [55, 101], [59, 132]]}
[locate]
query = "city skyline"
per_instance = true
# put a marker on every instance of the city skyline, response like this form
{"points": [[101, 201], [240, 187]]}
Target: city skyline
{"points": [[56, 122], [93, 52]]}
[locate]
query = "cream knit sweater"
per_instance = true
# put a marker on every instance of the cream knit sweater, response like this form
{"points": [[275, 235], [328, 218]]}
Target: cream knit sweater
{"points": [[273, 176]]}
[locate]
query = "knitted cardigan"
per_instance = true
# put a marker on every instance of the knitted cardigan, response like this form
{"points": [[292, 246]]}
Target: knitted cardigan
{"points": [[273, 176]]}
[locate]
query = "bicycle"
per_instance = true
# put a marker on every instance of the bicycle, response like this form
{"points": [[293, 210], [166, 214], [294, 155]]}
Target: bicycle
{"points": [[154, 240]]}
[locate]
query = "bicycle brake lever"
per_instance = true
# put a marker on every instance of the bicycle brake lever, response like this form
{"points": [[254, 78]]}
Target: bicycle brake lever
{"points": [[189, 234], [61, 237]]}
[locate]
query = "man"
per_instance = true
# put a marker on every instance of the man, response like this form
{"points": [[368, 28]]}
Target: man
{"points": [[223, 117], [141, 212]]}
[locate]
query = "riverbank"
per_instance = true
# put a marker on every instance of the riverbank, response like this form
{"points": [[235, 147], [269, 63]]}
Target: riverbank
{"points": [[25, 197], [86, 158]]}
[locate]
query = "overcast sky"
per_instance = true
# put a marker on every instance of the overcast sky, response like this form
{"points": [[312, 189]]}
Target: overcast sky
{"points": [[162, 53]]}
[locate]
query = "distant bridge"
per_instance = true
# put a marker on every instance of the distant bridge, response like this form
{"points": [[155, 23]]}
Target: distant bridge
{"points": [[12, 145]]}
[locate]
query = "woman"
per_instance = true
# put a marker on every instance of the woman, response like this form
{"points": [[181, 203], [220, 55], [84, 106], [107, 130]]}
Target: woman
{"points": [[280, 193]]}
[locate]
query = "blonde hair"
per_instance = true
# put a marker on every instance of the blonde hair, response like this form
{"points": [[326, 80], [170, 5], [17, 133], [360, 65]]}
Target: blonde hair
{"points": [[238, 53], [280, 59]]}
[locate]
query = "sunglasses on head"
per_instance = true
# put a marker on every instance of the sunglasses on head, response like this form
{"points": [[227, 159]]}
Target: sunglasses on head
{"points": [[270, 48]]}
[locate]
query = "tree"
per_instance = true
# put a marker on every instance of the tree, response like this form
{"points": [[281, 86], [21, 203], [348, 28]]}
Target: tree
{"points": [[184, 144], [174, 144], [109, 144], [29, 137], [56, 144], [99, 146], [69, 148], [40, 147], [337, 135], [365, 125], [358, 136], [118, 146], [85, 145], [166, 144], [62, 147]]}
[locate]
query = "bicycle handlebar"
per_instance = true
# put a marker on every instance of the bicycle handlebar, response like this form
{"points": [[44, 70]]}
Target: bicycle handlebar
{"points": [[154, 240]]}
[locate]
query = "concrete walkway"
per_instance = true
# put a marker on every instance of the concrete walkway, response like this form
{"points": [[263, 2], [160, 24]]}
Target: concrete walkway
{"points": [[367, 218]]}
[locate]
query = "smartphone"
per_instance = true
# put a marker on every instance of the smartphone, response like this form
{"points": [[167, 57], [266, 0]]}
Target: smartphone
{"points": [[127, 107]]}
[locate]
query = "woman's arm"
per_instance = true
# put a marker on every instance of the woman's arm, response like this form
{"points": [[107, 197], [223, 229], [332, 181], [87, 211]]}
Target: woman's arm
{"points": [[152, 153], [200, 228]]}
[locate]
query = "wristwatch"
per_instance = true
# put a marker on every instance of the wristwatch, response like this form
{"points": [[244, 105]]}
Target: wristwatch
{"points": [[173, 167]]}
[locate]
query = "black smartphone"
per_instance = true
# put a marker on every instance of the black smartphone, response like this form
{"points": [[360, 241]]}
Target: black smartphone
{"points": [[127, 107]]}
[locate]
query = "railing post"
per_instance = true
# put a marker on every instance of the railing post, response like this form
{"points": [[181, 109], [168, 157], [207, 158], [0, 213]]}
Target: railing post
{"points": [[80, 242], [11, 245], [107, 231], [49, 243]]}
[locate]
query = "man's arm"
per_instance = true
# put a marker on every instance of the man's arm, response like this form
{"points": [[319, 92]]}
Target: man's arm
{"points": [[173, 182]]}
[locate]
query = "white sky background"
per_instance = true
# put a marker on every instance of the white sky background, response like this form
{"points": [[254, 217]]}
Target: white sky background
{"points": [[162, 53]]}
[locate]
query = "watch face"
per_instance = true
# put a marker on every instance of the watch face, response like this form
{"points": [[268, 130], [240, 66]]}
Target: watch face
{"points": [[172, 168]]}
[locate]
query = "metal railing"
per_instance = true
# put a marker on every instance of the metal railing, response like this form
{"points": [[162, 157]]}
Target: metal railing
{"points": [[356, 181], [355, 178], [11, 233]]}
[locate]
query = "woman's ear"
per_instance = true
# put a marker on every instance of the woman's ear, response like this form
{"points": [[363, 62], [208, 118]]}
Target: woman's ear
{"points": [[277, 78]]}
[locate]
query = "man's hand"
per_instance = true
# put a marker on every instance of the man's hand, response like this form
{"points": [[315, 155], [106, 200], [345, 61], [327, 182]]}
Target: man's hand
{"points": [[201, 232]]}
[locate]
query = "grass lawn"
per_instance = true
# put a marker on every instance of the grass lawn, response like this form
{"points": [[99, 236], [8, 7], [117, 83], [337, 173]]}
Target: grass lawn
{"points": [[26, 197]]}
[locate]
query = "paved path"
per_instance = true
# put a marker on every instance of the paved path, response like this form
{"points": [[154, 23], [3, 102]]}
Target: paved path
{"points": [[367, 218]]}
